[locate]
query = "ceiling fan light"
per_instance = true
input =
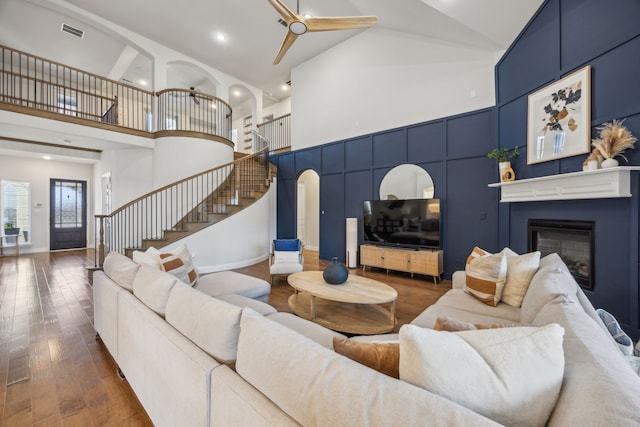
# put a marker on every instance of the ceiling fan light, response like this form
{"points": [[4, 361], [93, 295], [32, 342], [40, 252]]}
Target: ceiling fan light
{"points": [[298, 28]]}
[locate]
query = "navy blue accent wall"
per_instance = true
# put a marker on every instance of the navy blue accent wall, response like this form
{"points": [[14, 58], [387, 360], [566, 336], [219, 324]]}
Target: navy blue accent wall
{"points": [[453, 151], [564, 36]]}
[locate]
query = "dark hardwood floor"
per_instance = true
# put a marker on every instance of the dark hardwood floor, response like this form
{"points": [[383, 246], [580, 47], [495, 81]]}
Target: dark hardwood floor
{"points": [[53, 371]]}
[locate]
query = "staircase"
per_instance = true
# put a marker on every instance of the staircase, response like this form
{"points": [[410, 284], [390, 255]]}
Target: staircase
{"points": [[185, 207]]}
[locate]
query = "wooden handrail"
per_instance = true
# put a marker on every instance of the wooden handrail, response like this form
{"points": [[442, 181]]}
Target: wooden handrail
{"points": [[275, 120], [172, 207], [2, 47], [199, 94]]}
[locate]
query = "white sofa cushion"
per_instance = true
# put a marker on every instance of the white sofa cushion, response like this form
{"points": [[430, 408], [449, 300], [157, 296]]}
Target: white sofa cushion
{"points": [[153, 287], [511, 375], [212, 324], [460, 300], [552, 280], [231, 282], [285, 268], [240, 301], [323, 388], [286, 256], [520, 271], [120, 269], [150, 257], [318, 333], [427, 318], [599, 387]]}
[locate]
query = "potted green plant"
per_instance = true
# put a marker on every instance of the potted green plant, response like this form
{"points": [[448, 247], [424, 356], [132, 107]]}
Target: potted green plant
{"points": [[503, 156], [10, 230]]}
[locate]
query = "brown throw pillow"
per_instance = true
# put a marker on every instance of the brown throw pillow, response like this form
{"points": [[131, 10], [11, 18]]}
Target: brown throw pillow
{"points": [[451, 325], [383, 357]]}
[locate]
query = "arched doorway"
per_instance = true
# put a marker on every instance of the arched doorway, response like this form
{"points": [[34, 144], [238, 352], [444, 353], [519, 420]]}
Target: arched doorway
{"points": [[308, 209]]}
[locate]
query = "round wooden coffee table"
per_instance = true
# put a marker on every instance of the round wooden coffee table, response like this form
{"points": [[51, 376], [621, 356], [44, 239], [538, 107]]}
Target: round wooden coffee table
{"points": [[351, 307]]}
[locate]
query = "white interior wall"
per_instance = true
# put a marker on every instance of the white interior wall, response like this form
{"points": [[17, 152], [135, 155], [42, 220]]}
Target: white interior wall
{"points": [[176, 158], [278, 110], [382, 79], [38, 173], [241, 240], [131, 174], [311, 182]]}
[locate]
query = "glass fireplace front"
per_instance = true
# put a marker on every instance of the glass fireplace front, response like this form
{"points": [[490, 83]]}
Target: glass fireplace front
{"points": [[573, 241]]}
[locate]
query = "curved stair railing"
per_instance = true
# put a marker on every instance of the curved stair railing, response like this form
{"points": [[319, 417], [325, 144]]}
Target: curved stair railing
{"points": [[186, 206]]}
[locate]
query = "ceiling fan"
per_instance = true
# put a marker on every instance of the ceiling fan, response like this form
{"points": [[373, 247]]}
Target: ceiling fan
{"points": [[298, 24], [192, 93], [193, 96]]}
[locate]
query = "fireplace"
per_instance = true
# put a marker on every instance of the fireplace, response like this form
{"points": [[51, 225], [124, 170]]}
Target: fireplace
{"points": [[573, 241]]}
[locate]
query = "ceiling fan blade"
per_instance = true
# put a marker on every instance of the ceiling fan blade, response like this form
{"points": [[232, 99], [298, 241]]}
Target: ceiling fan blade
{"points": [[340, 23], [193, 94], [286, 13], [286, 44]]}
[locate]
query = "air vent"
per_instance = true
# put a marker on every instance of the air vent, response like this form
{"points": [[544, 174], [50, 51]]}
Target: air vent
{"points": [[282, 22], [71, 30]]}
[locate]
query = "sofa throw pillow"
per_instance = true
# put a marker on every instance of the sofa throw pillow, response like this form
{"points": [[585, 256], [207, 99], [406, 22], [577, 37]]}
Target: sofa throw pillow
{"points": [[452, 325], [150, 257], [179, 263], [286, 256], [286, 245], [383, 357], [485, 275], [520, 271], [511, 375]]}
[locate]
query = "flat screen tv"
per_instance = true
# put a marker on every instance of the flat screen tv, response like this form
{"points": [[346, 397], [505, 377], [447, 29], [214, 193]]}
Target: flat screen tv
{"points": [[411, 223]]}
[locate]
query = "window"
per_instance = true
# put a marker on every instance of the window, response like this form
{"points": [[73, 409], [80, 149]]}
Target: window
{"points": [[67, 105], [15, 203], [171, 123], [149, 120]]}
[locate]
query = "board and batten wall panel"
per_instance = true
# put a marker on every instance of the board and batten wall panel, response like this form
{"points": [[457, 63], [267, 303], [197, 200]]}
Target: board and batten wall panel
{"points": [[563, 37], [352, 170]]}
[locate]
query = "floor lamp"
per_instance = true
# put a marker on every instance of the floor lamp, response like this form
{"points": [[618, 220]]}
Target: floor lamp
{"points": [[352, 242]]}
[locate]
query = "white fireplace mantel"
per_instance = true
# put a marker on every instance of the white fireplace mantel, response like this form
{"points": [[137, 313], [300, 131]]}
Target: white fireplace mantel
{"points": [[596, 184]]}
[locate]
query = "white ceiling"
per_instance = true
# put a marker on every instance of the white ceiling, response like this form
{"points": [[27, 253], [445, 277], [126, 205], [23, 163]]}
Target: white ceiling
{"points": [[253, 35]]}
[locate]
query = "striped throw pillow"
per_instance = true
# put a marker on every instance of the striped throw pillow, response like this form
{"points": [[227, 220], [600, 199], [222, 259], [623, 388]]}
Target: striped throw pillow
{"points": [[179, 264], [486, 275]]}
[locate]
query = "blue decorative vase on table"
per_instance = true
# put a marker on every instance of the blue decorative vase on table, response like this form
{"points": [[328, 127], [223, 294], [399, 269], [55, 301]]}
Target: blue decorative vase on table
{"points": [[335, 273]]}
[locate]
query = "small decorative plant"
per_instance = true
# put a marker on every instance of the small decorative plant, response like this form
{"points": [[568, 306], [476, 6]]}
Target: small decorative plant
{"points": [[614, 139], [503, 154], [8, 225]]}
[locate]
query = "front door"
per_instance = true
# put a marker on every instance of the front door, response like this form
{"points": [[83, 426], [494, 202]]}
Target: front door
{"points": [[68, 216]]}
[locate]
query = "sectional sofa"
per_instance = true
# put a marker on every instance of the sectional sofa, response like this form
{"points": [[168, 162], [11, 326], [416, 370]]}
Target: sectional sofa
{"points": [[231, 360]]}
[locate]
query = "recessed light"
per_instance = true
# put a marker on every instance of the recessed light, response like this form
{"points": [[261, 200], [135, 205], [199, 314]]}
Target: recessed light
{"points": [[220, 37], [143, 82], [236, 93], [285, 87], [46, 157]]}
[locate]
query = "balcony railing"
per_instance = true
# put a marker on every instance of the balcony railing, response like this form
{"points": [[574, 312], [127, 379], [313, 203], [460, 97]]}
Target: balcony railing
{"points": [[33, 82], [278, 132], [57, 91], [189, 110]]}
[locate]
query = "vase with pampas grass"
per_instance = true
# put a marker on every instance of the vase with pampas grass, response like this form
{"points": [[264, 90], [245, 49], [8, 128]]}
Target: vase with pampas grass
{"points": [[614, 139]]}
